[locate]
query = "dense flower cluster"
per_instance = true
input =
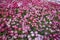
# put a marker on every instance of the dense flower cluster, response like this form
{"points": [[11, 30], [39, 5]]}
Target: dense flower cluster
{"points": [[29, 20]]}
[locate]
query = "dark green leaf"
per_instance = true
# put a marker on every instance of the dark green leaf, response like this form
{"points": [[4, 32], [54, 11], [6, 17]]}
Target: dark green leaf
{"points": [[48, 31], [42, 22], [16, 10], [42, 32], [9, 17], [46, 15], [33, 37], [24, 13], [1, 33], [20, 32], [19, 38], [47, 20], [33, 28], [57, 12]]}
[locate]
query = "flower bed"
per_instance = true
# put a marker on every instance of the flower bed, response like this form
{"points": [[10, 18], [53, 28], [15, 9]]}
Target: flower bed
{"points": [[29, 20]]}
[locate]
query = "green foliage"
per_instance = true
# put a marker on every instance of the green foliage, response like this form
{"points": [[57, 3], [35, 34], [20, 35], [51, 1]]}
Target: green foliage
{"points": [[19, 38], [42, 22], [1, 33], [24, 13], [51, 38], [46, 15], [47, 20], [57, 12], [17, 10], [42, 32], [20, 32], [9, 16], [33, 28], [33, 37]]}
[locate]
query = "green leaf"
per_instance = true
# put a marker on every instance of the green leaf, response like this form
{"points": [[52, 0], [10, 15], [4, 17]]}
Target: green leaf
{"points": [[47, 20], [46, 15], [33, 28], [20, 32], [33, 37], [19, 38], [9, 17], [57, 12], [42, 22], [17, 10], [24, 13], [48, 31], [1, 33], [42, 32], [38, 23]]}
